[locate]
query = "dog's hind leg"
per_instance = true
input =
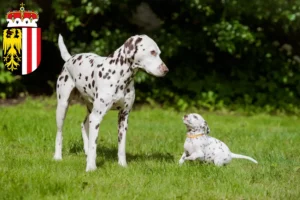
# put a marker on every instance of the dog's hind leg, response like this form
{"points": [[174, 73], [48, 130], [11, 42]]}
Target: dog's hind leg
{"points": [[65, 85]]}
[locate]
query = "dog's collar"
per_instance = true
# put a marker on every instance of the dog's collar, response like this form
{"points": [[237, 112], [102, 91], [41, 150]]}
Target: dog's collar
{"points": [[194, 136]]}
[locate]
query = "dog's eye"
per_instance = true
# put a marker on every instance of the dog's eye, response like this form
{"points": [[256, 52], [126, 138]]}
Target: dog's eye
{"points": [[153, 53]]}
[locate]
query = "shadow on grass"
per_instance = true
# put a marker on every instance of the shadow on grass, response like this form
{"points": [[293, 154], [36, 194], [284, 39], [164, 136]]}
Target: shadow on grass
{"points": [[111, 153]]}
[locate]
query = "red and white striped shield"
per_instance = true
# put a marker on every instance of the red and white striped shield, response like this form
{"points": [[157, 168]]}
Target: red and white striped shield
{"points": [[22, 49], [31, 49]]}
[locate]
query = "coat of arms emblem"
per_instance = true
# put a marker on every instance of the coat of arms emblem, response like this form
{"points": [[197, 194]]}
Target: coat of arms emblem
{"points": [[22, 41]]}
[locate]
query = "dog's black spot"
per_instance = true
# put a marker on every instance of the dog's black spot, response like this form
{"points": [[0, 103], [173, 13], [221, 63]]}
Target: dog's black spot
{"points": [[120, 136], [138, 40], [102, 100], [79, 57], [121, 72], [136, 49], [59, 96], [93, 83], [121, 87], [96, 89], [128, 90], [86, 78], [105, 76], [108, 77], [97, 95], [117, 88], [74, 61], [100, 74], [89, 86], [121, 60], [111, 62], [103, 69], [109, 70], [57, 85], [111, 85], [114, 72], [195, 116], [66, 78], [97, 126], [119, 107], [61, 77], [92, 75], [128, 42]]}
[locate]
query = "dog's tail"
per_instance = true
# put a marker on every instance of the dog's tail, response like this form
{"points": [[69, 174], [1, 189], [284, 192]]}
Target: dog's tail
{"points": [[233, 155], [63, 49]]}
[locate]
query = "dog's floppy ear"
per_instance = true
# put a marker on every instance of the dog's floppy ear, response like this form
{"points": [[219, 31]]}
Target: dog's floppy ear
{"points": [[130, 46], [207, 129]]}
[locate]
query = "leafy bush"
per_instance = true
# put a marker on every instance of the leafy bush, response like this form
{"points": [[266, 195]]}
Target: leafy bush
{"points": [[221, 54]]}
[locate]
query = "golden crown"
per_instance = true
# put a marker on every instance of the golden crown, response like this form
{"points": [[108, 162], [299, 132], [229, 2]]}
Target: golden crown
{"points": [[22, 18]]}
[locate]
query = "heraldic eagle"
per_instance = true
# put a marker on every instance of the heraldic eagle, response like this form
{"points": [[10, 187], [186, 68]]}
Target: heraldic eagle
{"points": [[12, 44]]}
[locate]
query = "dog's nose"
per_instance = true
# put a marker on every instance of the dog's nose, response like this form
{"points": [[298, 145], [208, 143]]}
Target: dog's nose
{"points": [[164, 68]]}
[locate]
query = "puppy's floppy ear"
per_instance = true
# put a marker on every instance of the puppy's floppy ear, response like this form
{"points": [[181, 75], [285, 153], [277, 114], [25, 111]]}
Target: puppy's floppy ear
{"points": [[207, 129]]}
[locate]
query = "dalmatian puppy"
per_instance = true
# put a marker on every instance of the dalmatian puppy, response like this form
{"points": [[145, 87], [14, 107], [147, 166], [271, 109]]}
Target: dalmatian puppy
{"points": [[104, 83], [198, 145]]}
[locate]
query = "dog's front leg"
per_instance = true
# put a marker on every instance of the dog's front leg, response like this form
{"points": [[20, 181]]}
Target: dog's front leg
{"points": [[181, 161], [95, 119], [196, 155], [122, 129], [123, 123]]}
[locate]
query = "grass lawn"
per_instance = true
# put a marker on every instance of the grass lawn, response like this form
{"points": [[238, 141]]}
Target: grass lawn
{"points": [[154, 145]]}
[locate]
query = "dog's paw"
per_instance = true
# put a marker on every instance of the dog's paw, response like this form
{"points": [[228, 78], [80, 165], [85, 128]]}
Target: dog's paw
{"points": [[122, 163], [90, 168], [57, 157]]}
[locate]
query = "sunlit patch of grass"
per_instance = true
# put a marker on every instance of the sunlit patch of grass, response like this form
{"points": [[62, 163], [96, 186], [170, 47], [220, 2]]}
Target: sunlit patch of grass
{"points": [[154, 145]]}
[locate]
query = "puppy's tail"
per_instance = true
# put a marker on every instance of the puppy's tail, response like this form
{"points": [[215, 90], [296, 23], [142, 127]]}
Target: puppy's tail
{"points": [[233, 155], [63, 49]]}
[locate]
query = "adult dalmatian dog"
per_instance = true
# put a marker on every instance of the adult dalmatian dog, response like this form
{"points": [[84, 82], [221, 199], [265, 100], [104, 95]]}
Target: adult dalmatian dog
{"points": [[198, 145], [104, 83]]}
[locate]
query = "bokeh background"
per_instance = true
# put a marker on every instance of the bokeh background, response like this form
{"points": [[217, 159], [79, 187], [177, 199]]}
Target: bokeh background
{"points": [[222, 54]]}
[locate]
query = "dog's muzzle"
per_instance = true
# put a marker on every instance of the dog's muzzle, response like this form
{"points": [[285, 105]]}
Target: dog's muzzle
{"points": [[163, 68]]}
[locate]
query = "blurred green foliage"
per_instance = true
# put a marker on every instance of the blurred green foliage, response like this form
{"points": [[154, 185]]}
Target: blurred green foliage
{"points": [[221, 54]]}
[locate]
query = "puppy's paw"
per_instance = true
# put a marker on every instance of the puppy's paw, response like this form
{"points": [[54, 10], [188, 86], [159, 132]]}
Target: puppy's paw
{"points": [[181, 161]]}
